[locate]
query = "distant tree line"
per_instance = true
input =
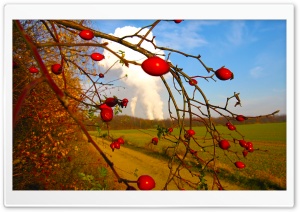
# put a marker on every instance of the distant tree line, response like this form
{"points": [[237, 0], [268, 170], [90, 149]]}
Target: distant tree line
{"points": [[121, 122]]}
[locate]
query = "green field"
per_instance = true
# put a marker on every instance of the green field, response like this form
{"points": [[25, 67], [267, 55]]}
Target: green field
{"points": [[265, 167]]}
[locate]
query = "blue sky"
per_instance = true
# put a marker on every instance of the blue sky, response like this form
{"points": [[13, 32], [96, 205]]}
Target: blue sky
{"points": [[254, 50]]}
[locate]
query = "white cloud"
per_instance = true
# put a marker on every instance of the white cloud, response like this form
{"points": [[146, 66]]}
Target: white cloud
{"points": [[257, 72], [140, 87]]}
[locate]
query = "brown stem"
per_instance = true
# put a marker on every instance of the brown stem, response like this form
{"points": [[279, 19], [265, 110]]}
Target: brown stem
{"points": [[154, 24]]}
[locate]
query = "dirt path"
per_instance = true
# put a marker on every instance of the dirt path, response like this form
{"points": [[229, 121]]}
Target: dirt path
{"points": [[128, 161]]}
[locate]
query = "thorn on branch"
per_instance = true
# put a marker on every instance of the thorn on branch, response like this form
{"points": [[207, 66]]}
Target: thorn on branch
{"points": [[208, 69]]}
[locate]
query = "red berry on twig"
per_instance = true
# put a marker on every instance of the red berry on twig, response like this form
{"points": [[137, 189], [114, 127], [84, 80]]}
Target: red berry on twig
{"points": [[154, 140], [224, 74], [97, 56], [145, 182], [33, 70], [193, 82], [240, 118], [240, 164], [155, 66], [56, 69], [86, 34], [224, 144]]}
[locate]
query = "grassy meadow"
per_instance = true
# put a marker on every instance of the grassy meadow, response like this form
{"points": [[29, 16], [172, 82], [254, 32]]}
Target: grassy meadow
{"points": [[265, 167]]}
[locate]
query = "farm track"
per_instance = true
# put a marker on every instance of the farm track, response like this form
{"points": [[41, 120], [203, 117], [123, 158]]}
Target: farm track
{"points": [[129, 162]]}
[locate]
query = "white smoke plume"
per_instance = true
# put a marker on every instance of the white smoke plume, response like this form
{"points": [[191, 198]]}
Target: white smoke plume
{"points": [[143, 88], [133, 105]]}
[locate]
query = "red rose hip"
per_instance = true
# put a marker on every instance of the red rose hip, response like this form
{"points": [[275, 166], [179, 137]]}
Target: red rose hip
{"points": [[117, 145], [97, 56], [190, 132], [231, 127], [249, 144], [86, 34], [111, 101], [33, 70], [56, 69], [145, 182], [112, 145], [243, 143], [224, 144], [240, 118], [106, 115], [228, 124], [224, 74], [155, 140], [250, 149], [240, 164], [193, 82], [124, 102], [155, 66]]}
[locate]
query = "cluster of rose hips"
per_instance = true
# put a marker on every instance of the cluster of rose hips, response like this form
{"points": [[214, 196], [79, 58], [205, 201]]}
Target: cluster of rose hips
{"points": [[117, 143], [113, 101], [106, 108], [225, 145], [248, 147]]}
